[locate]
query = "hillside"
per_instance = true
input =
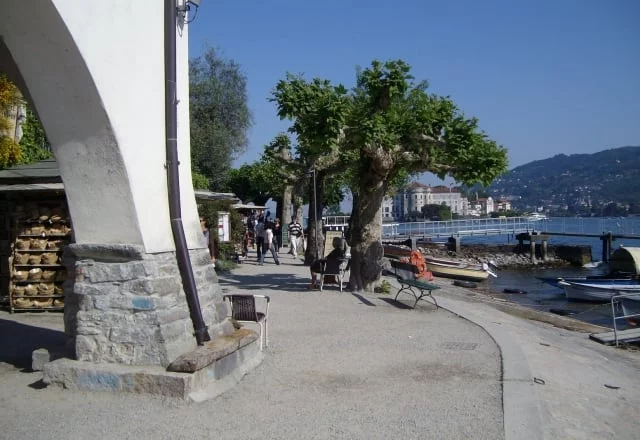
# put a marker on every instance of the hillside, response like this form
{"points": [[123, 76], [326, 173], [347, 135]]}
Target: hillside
{"points": [[605, 183]]}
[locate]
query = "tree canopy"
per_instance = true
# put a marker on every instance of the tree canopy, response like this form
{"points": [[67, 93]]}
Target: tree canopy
{"points": [[219, 116], [396, 127], [318, 111], [386, 128], [34, 143]]}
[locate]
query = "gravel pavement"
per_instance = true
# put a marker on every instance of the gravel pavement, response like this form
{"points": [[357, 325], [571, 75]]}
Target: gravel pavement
{"points": [[348, 366]]}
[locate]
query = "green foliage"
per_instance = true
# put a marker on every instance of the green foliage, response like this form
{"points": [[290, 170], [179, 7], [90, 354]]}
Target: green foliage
{"points": [[10, 152], [224, 265], [318, 110], [199, 181], [384, 287], [436, 212], [256, 182], [496, 214], [386, 129], [398, 128], [219, 115], [34, 143]]}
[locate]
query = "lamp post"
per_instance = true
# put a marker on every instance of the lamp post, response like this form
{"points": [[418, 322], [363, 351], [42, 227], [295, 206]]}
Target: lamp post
{"points": [[315, 214], [312, 170]]}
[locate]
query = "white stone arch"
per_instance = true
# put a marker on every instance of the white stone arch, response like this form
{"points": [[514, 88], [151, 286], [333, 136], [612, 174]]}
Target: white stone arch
{"points": [[94, 72]]}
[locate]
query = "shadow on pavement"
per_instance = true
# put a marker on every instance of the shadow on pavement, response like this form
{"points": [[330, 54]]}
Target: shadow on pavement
{"points": [[284, 282], [395, 303], [18, 341], [364, 300]]}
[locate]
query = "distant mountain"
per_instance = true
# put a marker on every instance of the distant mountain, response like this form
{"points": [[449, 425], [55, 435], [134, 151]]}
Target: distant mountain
{"points": [[605, 183]]}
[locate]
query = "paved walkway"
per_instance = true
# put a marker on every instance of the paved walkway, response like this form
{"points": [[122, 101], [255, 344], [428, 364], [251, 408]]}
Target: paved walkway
{"points": [[348, 366]]}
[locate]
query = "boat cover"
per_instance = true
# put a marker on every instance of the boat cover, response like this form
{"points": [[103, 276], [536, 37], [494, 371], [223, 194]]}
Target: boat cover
{"points": [[625, 259]]}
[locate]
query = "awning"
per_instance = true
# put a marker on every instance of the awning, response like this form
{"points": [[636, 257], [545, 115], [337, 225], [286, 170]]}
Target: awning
{"points": [[247, 206], [209, 195], [33, 187]]}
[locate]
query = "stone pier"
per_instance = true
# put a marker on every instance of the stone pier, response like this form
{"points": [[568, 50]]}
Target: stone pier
{"points": [[534, 239]]}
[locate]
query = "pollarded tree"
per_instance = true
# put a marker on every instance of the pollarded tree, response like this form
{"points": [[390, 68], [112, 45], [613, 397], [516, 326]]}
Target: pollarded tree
{"points": [[395, 127], [293, 172], [318, 110]]}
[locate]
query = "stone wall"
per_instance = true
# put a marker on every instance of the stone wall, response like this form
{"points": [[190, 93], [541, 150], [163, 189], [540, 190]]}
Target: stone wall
{"points": [[128, 307]]}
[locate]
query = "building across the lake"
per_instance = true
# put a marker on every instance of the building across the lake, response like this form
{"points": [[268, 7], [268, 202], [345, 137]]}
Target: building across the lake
{"points": [[415, 195]]}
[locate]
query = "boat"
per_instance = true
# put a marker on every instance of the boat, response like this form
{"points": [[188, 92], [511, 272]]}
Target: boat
{"points": [[458, 270], [441, 267], [555, 282], [630, 305], [536, 217], [623, 268], [598, 291]]}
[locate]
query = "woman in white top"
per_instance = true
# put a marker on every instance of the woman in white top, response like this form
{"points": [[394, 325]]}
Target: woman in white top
{"points": [[269, 243]]}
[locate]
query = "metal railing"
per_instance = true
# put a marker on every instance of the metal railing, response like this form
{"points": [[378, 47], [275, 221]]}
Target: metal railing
{"points": [[616, 303], [466, 227]]}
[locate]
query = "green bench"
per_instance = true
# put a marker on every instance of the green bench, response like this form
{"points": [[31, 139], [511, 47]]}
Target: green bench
{"points": [[406, 276]]}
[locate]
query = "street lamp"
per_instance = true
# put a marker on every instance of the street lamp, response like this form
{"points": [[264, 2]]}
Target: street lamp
{"points": [[312, 170]]}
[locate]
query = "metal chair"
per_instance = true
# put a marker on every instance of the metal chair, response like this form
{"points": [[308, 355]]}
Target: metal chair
{"points": [[243, 309], [335, 267]]}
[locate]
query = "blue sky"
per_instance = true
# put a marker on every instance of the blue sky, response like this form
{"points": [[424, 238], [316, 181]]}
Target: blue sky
{"points": [[543, 77]]}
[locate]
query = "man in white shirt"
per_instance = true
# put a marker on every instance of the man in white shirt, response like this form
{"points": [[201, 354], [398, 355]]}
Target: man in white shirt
{"points": [[295, 235]]}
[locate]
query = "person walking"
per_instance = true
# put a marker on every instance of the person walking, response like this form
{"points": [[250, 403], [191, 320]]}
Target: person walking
{"points": [[295, 233], [277, 235], [260, 240], [269, 244]]}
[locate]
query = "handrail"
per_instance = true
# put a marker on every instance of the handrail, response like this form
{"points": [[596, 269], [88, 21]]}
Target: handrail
{"points": [[616, 299]]}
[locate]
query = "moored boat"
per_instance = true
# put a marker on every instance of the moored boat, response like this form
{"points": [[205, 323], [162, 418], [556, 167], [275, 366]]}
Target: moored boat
{"points": [[630, 305], [536, 216], [458, 270], [598, 292], [440, 267], [624, 269], [555, 282]]}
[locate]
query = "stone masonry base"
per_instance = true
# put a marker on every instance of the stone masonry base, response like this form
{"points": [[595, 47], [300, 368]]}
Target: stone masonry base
{"points": [[199, 386]]}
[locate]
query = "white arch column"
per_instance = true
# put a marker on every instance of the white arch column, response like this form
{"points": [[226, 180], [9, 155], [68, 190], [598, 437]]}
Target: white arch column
{"points": [[95, 73]]}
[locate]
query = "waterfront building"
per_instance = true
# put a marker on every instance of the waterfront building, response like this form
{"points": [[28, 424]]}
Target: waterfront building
{"points": [[502, 205], [387, 208], [481, 207], [415, 195]]}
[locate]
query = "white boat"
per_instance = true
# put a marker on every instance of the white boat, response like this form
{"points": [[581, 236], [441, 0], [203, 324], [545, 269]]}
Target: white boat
{"points": [[630, 305], [458, 270], [536, 217], [598, 292]]}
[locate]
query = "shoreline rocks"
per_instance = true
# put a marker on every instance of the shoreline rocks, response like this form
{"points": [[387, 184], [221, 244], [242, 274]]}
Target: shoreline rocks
{"points": [[509, 256]]}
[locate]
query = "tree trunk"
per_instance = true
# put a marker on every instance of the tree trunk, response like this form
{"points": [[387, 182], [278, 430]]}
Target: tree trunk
{"points": [[365, 236], [315, 248], [285, 218]]}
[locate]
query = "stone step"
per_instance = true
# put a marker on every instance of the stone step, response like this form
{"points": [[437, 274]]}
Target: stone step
{"points": [[217, 367]]}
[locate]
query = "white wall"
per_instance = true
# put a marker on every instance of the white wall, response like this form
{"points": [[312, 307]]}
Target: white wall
{"points": [[95, 71]]}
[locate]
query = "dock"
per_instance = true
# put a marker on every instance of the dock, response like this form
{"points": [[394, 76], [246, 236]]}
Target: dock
{"points": [[609, 338]]}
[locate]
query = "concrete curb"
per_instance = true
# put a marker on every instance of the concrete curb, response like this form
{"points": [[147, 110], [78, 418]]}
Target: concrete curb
{"points": [[522, 418]]}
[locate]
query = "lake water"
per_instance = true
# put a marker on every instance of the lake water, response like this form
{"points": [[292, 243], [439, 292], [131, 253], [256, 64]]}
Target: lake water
{"points": [[542, 296]]}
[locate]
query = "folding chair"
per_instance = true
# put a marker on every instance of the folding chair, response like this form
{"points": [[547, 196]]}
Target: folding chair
{"points": [[334, 267], [243, 309]]}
